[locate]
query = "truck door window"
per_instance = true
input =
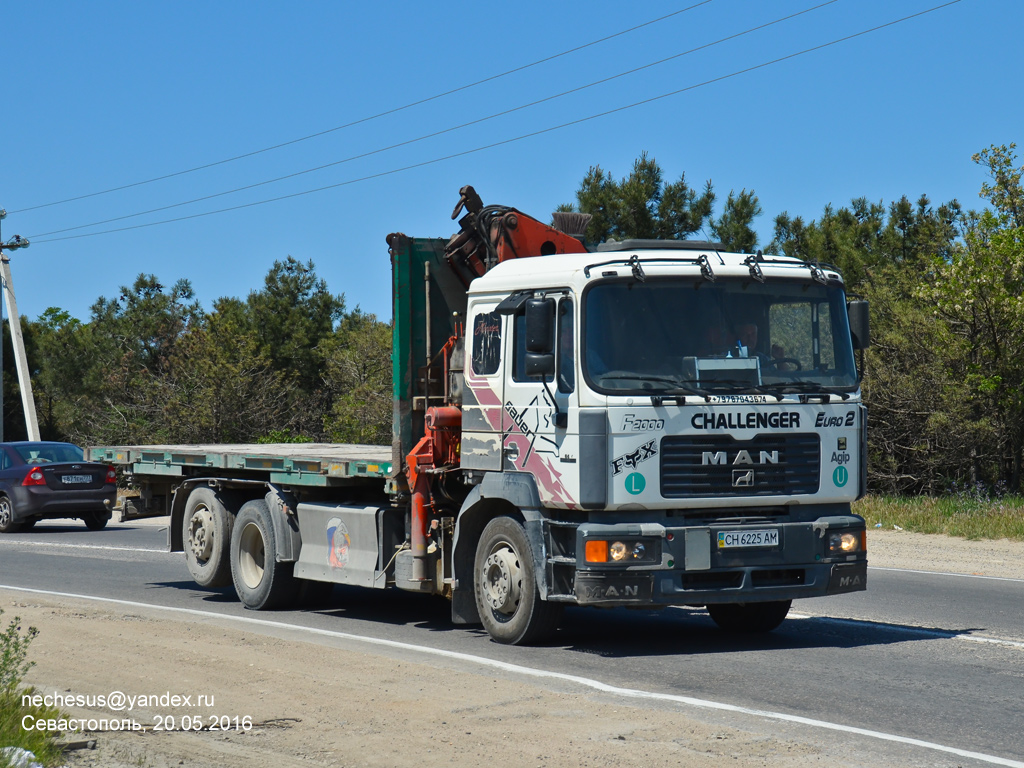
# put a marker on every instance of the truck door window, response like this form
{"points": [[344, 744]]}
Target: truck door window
{"points": [[566, 351], [519, 358], [486, 343]]}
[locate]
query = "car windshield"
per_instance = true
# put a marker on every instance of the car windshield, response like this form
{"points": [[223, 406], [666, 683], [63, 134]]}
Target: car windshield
{"points": [[41, 453], [679, 336]]}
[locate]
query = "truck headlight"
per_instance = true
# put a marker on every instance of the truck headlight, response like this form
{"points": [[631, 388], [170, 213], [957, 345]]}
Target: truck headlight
{"points": [[846, 542], [621, 552]]}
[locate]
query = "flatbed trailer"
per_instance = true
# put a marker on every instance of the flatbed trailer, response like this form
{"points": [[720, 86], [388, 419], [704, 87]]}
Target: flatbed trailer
{"points": [[316, 465]]}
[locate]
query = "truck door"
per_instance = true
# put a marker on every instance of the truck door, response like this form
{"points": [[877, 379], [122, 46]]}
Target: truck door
{"points": [[536, 419], [482, 404]]}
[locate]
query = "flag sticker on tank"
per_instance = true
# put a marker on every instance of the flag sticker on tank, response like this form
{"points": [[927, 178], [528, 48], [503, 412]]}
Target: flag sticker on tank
{"points": [[338, 542]]}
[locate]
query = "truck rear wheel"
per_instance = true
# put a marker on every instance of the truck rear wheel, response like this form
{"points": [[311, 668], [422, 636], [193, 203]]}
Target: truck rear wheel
{"points": [[749, 617], [505, 585], [206, 535], [260, 580]]}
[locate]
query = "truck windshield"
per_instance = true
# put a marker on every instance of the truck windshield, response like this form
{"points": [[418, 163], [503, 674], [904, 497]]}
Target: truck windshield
{"points": [[676, 336]]}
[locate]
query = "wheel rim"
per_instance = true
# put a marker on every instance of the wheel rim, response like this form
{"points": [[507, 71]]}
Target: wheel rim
{"points": [[5, 513], [251, 555], [200, 533], [502, 579]]}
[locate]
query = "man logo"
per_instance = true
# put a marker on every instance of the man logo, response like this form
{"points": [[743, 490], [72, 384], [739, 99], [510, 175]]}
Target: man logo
{"points": [[742, 478], [742, 457]]}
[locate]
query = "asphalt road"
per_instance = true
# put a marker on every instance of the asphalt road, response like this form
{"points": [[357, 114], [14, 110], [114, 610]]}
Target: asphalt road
{"points": [[934, 657]]}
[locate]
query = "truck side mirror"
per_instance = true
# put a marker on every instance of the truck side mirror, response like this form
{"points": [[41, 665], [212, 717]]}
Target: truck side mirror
{"points": [[540, 326], [540, 365], [860, 330]]}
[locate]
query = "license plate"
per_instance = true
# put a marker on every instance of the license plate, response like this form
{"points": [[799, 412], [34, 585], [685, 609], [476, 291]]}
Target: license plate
{"points": [[68, 479], [740, 539]]}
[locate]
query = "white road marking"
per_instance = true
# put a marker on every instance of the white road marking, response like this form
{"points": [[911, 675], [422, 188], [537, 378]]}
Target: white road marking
{"points": [[518, 669], [948, 634], [62, 545], [946, 573]]}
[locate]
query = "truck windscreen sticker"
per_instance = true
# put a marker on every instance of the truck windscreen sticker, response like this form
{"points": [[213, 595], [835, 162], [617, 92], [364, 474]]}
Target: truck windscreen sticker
{"points": [[643, 453], [752, 420]]}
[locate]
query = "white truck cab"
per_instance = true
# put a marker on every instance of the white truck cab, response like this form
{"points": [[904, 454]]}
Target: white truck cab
{"points": [[680, 425]]}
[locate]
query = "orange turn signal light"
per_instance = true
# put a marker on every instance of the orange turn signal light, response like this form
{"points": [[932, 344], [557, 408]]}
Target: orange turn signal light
{"points": [[596, 551]]}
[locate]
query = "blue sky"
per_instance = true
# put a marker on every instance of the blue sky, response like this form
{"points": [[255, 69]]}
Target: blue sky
{"points": [[104, 94]]}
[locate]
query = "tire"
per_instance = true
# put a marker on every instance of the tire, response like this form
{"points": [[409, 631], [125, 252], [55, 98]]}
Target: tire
{"points": [[261, 582], [505, 586], [7, 524], [96, 521], [206, 537], [749, 618]]}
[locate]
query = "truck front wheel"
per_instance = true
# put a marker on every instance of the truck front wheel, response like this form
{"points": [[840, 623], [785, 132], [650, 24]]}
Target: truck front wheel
{"points": [[506, 587], [260, 581], [749, 617], [206, 535]]}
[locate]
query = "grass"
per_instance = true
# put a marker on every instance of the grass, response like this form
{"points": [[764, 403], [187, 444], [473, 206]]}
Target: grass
{"points": [[14, 665], [966, 515]]}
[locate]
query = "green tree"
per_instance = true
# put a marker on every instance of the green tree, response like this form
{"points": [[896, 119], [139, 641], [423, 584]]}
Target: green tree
{"points": [[734, 228], [978, 292], [291, 316], [224, 387], [642, 205], [131, 345], [358, 378]]}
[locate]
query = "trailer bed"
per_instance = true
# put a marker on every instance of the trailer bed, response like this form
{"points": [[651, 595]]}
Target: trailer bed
{"points": [[309, 464]]}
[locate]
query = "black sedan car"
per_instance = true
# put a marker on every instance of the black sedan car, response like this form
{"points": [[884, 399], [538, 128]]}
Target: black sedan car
{"points": [[42, 480]]}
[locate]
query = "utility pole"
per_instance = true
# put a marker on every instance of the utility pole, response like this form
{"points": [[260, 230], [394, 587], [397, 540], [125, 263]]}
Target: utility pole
{"points": [[17, 341]]}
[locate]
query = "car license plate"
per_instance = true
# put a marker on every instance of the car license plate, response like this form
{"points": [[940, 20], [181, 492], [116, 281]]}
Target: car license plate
{"points": [[69, 479], [739, 539]]}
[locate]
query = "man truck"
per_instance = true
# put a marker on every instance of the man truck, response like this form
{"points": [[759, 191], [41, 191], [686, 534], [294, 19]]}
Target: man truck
{"points": [[640, 423]]}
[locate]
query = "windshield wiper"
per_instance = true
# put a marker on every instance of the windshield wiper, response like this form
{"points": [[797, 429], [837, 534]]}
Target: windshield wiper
{"points": [[685, 388], [677, 388], [810, 389]]}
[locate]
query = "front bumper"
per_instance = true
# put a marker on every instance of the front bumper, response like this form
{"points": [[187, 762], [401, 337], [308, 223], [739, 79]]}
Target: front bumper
{"points": [[689, 567]]}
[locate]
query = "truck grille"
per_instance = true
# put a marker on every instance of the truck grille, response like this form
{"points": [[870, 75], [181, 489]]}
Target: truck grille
{"points": [[779, 465]]}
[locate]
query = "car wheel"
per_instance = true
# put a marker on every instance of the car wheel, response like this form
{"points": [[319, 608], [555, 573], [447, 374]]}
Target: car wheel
{"points": [[96, 521], [7, 524]]}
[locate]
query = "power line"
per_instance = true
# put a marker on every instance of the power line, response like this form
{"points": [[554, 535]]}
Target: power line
{"points": [[521, 137], [366, 119], [436, 133]]}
